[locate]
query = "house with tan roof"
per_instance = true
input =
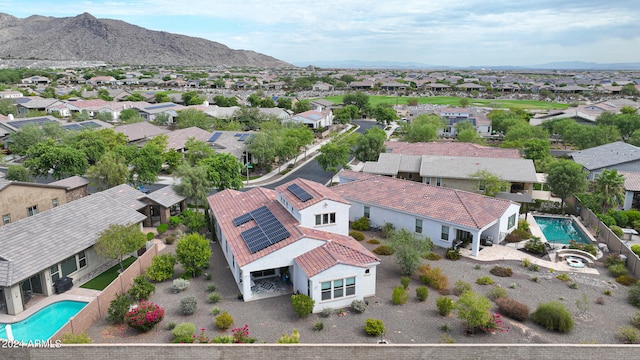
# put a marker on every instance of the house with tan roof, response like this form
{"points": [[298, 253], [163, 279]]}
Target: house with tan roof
{"points": [[444, 215], [454, 165], [177, 139], [294, 238], [140, 131]]}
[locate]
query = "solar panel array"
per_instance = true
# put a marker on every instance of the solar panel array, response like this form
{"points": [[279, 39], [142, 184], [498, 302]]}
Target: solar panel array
{"points": [[154, 107], [81, 125], [35, 121], [299, 192], [215, 136], [269, 229], [242, 137]]}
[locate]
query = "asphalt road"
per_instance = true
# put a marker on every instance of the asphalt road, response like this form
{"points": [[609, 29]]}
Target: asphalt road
{"points": [[312, 170]]}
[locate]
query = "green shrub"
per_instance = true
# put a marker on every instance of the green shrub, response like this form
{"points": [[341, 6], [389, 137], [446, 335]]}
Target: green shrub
{"points": [[357, 235], [617, 230], [358, 306], [501, 271], [170, 239], [211, 287], [215, 311], [618, 270], [613, 259], [302, 304], [400, 296], [635, 320], [607, 219], [150, 236], [625, 280], [536, 246], [361, 224], [590, 248], [433, 277], [183, 332], [636, 249], [405, 281], [563, 277], [554, 316], [384, 250], [387, 230], [174, 221], [431, 256], [452, 254], [71, 338], [634, 294], [628, 335], [373, 241], [144, 316], [422, 292], [632, 215], [512, 308], [162, 228], [170, 325], [374, 327], [188, 305], [118, 308], [620, 217], [179, 285], [523, 225], [526, 262], [223, 339], [326, 312], [517, 235], [460, 287], [534, 267], [497, 292], [214, 297], [161, 268], [445, 305], [608, 292], [484, 280], [141, 289], [573, 286], [319, 325], [294, 338], [224, 321]]}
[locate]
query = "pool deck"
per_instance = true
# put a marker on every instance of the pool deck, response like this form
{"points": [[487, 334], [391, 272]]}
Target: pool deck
{"points": [[511, 252], [38, 302]]}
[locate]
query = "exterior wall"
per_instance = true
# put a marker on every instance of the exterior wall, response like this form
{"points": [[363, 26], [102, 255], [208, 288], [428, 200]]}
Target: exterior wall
{"points": [[628, 200], [16, 198], [77, 193], [341, 226], [514, 209], [365, 286], [628, 166]]}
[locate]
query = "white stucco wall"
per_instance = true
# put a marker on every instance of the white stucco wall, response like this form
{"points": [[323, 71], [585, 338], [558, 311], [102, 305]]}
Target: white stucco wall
{"points": [[365, 285], [341, 226]]}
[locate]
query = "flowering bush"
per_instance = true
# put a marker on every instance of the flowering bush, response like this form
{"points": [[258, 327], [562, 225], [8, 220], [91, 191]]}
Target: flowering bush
{"points": [[145, 316], [241, 335]]}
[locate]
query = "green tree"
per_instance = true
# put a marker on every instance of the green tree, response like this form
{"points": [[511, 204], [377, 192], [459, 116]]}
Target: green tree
{"points": [[346, 114], [223, 171], [538, 150], [630, 90], [7, 107], [146, 163], [172, 158], [249, 117], [60, 161], [370, 145], [285, 103], [20, 141], [261, 149], [502, 120], [104, 95], [359, 99], [193, 253], [566, 178], [519, 133], [193, 117], [334, 156], [489, 183], [302, 135], [18, 173], [423, 128], [465, 132], [464, 102], [408, 249], [301, 106], [130, 116], [384, 113], [194, 183], [161, 97], [627, 124], [474, 310], [609, 188], [90, 142], [197, 150], [111, 170], [134, 97], [119, 240]]}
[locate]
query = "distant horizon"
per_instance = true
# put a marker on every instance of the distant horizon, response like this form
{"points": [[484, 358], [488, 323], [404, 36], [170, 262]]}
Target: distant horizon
{"points": [[476, 33]]}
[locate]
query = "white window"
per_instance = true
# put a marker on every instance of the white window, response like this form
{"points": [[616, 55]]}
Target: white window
{"points": [[419, 226], [55, 272], [338, 288], [444, 234], [32, 210], [512, 221], [427, 180], [324, 219], [54, 202], [82, 259], [438, 181], [6, 219]]}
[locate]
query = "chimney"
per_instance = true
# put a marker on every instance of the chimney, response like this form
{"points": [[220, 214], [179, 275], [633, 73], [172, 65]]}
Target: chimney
{"points": [[10, 116]]}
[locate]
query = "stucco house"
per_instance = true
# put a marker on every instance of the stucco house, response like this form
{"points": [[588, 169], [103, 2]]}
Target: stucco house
{"points": [[294, 238], [314, 119], [444, 215], [40, 249], [613, 156]]}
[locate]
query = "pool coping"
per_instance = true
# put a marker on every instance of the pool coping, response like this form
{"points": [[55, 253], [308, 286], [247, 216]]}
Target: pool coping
{"points": [[74, 294]]}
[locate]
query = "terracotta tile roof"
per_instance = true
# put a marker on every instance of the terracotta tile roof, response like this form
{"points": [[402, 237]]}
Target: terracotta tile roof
{"points": [[631, 180], [450, 149], [318, 192], [350, 175], [433, 202]]}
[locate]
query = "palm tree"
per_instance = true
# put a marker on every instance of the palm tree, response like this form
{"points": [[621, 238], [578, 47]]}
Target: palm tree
{"points": [[609, 188]]}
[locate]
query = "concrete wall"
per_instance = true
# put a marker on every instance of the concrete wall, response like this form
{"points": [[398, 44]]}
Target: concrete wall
{"points": [[16, 198], [333, 351]]}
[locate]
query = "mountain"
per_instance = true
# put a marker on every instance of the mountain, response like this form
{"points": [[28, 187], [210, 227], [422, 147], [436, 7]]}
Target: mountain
{"points": [[86, 38]]}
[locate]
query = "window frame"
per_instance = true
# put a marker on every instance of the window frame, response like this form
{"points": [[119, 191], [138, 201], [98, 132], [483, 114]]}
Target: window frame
{"points": [[511, 221], [55, 202], [338, 288], [444, 235], [32, 210], [438, 181], [6, 219], [367, 212], [325, 219], [419, 226]]}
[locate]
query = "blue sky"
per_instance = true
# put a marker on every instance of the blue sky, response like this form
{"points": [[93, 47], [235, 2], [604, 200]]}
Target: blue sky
{"points": [[435, 32]]}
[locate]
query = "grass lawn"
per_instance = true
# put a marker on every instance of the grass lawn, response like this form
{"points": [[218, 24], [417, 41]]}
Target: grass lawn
{"points": [[455, 101], [101, 281]]}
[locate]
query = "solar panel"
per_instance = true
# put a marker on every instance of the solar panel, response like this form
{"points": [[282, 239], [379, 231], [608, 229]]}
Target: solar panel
{"points": [[215, 136], [34, 121], [237, 134], [299, 192], [243, 137], [154, 107], [269, 229]]}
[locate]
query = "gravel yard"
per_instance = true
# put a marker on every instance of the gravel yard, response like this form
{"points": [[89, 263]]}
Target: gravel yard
{"points": [[414, 322]]}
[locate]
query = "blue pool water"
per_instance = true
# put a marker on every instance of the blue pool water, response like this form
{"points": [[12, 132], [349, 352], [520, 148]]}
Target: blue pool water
{"points": [[43, 323], [561, 230]]}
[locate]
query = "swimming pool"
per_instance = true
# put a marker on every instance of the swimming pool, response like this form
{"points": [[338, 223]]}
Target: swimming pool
{"points": [[561, 230], [43, 323]]}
